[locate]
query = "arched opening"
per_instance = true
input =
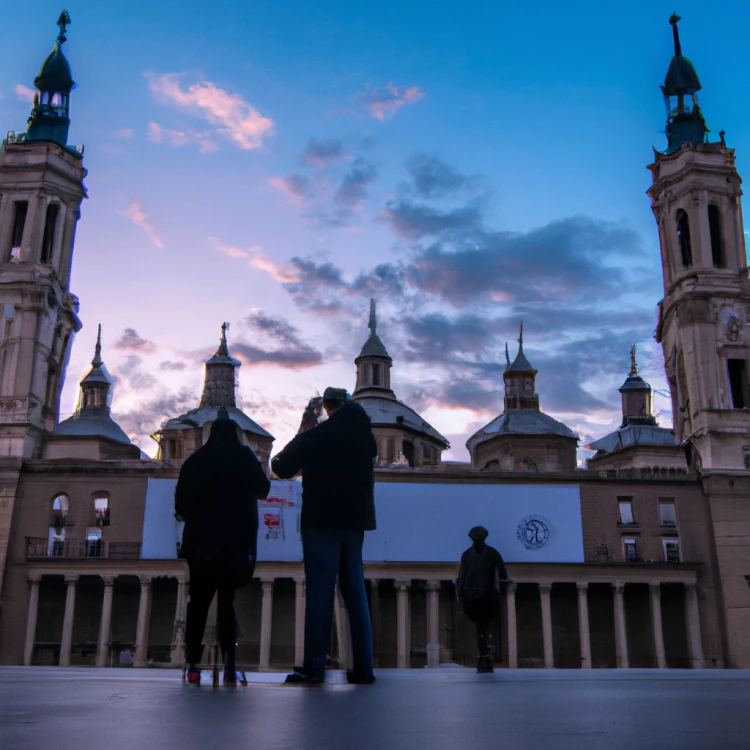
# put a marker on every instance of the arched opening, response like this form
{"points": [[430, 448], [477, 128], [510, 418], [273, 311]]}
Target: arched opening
{"points": [[48, 239], [377, 374], [57, 100], [717, 243], [56, 539], [407, 448], [683, 236]]}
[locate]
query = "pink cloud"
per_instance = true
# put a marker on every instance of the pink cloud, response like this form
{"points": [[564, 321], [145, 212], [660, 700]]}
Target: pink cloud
{"points": [[296, 187], [139, 217], [234, 118], [158, 134], [383, 103], [125, 133], [258, 260], [24, 93]]}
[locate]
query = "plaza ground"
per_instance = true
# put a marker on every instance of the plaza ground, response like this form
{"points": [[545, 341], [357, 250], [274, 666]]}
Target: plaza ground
{"points": [[449, 707]]}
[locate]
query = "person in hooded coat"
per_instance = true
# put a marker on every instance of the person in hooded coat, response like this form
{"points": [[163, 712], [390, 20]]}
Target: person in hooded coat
{"points": [[217, 496], [480, 577]]}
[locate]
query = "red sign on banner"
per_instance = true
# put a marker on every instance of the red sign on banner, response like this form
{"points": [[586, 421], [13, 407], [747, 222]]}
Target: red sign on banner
{"points": [[271, 519]]}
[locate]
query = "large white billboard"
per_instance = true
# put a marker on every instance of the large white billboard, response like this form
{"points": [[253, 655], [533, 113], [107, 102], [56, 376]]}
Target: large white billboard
{"points": [[425, 522]]}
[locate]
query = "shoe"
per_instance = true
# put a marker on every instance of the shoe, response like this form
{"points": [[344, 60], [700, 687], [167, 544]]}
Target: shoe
{"points": [[484, 665], [229, 677], [356, 679], [193, 674], [302, 676]]}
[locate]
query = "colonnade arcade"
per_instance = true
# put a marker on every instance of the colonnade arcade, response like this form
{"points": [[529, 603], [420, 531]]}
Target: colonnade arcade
{"points": [[105, 613]]}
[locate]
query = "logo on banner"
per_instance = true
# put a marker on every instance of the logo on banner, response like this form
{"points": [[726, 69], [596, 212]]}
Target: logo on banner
{"points": [[533, 532]]}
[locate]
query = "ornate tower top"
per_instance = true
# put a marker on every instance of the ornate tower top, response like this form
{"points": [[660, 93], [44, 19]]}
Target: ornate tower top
{"points": [[636, 396], [49, 119], [633, 363], [220, 383], [685, 123], [520, 377], [374, 363]]}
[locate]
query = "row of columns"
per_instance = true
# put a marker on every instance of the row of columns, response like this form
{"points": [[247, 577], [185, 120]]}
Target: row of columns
{"points": [[102, 652]]}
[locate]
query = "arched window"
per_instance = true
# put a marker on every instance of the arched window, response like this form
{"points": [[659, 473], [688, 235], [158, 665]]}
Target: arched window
{"points": [[48, 239], [45, 97], [101, 508], [717, 244], [57, 100], [683, 236], [60, 504]]}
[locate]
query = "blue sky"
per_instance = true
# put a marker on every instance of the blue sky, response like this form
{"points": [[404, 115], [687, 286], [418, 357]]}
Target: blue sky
{"points": [[276, 164]]}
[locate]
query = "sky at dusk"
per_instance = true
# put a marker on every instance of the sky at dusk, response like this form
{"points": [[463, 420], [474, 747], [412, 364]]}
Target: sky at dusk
{"points": [[276, 164]]}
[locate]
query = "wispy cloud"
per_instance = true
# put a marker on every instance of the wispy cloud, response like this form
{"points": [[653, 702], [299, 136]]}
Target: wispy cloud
{"points": [[139, 217], [24, 93], [125, 134], [383, 103], [130, 341], [158, 134], [234, 118], [258, 260]]}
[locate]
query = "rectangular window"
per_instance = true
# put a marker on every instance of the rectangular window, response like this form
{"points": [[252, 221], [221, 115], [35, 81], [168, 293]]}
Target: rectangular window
{"points": [[377, 374], [48, 240], [101, 510], [671, 549], [737, 375], [667, 513], [631, 554], [427, 455], [19, 222], [56, 542], [626, 512]]}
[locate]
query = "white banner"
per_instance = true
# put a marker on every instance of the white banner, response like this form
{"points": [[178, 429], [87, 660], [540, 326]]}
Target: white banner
{"points": [[416, 522]]}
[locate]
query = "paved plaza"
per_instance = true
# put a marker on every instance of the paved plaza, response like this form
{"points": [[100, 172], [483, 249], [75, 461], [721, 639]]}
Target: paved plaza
{"points": [[450, 707]]}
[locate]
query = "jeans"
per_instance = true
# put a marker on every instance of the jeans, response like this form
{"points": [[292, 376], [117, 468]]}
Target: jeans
{"points": [[203, 586], [328, 553]]}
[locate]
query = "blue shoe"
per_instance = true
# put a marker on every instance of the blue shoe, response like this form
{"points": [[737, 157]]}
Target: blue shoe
{"points": [[307, 677]]}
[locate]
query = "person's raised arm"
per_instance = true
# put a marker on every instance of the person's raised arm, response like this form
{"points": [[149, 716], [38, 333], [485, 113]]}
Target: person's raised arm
{"points": [[502, 571], [288, 463]]}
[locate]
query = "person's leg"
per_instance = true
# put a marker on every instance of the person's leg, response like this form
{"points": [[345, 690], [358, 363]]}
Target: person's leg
{"points": [[352, 584], [321, 550], [227, 629], [201, 592]]}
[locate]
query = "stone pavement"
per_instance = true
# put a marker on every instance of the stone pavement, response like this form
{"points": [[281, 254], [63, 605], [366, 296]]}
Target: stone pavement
{"points": [[450, 707]]}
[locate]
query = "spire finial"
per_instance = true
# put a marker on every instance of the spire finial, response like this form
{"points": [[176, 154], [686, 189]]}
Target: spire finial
{"points": [[633, 363], [97, 360], [674, 20], [63, 22], [507, 356], [520, 338], [373, 323]]}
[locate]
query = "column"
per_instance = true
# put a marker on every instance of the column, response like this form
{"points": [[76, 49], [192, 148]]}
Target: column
{"points": [[105, 623], [66, 643], [692, 617], [266, 624], [180, 615], [661, 658], [402, 623], [545, 589], [510, 601], [144, 617], [299, 621], [583, 624], [433, 608], [375, 617], [28, 651], [621, 632]]}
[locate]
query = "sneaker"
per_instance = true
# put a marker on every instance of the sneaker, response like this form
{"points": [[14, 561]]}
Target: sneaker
{"points": [[193, 675], [357, 679], [302, 676]]}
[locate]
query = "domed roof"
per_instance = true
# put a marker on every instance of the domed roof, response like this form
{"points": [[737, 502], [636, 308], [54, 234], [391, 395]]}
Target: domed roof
{"points": [[89, 424], [390, 412], [374, 347], [202, 415], [635, 383], [682, 77], [520, 422], [55, 73]]}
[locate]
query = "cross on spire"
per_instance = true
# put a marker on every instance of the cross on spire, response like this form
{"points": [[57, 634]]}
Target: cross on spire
{"points": [[63, 22], [674, 20]]}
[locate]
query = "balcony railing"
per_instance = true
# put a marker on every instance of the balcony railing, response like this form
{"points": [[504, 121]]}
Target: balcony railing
{"points": [[81, 549]]}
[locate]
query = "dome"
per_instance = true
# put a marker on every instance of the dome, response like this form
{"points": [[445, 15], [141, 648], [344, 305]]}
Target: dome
{"points": [[681, 77], [374, 347], [390, 412], [520, 422], [199, 417], [55, 73], [86, 424]]}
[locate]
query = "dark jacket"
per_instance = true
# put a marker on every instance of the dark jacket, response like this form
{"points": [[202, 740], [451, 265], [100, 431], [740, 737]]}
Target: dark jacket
{"points": [[338, 480], [480, 574], [217, 496]]}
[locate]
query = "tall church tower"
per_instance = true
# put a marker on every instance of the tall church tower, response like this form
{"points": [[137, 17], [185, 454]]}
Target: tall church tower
{"points": [[41, 189], [703, 326]]}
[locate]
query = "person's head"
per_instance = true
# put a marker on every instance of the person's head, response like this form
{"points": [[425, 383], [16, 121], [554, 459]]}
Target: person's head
{"points": [[224, 429], [333, 399], [478, 535]]}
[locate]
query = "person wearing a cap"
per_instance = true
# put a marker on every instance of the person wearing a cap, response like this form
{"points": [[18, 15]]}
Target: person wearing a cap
{"points": [[217, 496], [337, 460], [480, 577]]}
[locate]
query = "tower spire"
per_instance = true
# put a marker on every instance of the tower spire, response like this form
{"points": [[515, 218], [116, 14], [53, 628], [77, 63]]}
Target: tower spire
{"points": [[633, 363], [63, 22], [373, 322], [97, 360], [520, 338], [674, 20]]}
